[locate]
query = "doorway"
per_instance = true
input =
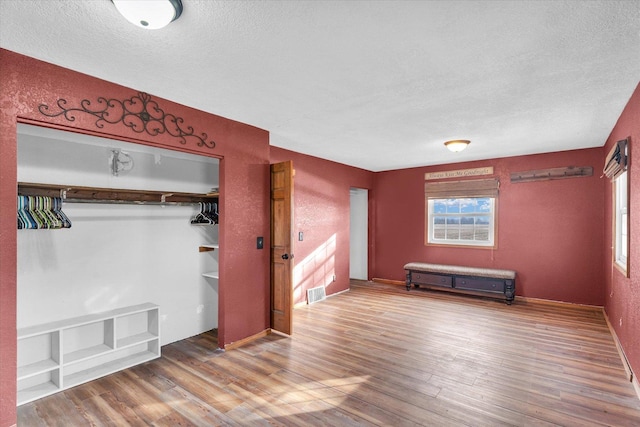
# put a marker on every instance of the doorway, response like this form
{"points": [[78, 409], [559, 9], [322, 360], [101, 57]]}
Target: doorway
{"points": [[358, 233]]}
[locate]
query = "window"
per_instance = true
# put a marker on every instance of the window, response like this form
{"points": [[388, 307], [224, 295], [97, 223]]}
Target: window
{"points": [[464, 221], [461, 213], [615, 168], [621, 221]]}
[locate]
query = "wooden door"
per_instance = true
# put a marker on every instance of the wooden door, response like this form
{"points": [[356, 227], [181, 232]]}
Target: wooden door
{"points": [[281, 246]]}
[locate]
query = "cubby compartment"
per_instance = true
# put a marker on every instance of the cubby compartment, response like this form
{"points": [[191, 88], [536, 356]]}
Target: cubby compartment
{"points": [[86, 341], [38, 385], [136, 328], [38, 353]]}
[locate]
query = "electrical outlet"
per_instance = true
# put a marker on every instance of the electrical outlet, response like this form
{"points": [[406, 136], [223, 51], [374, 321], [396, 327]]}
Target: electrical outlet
{"points": [[200, 309]]}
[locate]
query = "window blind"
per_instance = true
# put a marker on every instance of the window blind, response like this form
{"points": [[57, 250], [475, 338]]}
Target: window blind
{"points": [[616, 161], [458, 189]]}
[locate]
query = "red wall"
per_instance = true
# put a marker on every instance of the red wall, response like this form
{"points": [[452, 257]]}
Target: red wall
{"points": [[26, 83], [550, 232], [622, 298], [321, 212]]}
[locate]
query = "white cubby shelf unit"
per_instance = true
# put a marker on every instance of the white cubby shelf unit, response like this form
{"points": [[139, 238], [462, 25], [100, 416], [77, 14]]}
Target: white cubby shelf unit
{"points": [[59, 355]]}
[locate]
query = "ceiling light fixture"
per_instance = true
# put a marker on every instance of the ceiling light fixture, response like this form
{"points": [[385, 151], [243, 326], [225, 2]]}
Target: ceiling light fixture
{"points": [[149, 14], [457, 145]]}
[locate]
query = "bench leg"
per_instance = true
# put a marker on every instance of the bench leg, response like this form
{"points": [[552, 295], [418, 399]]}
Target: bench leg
{"points": [[408, 281], [510, 291]]}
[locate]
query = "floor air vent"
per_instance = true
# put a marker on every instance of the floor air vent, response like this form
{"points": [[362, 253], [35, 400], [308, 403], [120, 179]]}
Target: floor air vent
{"points": [[316, 294]]}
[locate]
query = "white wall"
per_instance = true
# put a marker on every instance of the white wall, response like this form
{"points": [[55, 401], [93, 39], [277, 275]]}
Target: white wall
{"points": [[116, 255]]}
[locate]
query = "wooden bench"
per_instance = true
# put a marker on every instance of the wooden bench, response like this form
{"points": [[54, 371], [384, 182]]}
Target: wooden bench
{"points": [[471, 279]]}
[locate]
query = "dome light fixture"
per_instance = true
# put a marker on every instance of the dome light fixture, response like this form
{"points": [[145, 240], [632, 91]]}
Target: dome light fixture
{"points": [[149, 14], [457, 145]]}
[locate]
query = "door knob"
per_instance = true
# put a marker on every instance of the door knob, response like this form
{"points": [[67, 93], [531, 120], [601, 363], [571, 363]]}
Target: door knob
{"points": [[285, 256]]}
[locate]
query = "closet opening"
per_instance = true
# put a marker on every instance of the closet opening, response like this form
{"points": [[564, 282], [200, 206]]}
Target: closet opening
{"points": [[358, 233], [136, 268]]}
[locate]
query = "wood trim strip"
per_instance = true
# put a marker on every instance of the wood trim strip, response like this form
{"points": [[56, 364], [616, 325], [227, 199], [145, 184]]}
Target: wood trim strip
{"points": [[300, 304], [389, 282], [247, 340], [549, 302], [623, 357]]}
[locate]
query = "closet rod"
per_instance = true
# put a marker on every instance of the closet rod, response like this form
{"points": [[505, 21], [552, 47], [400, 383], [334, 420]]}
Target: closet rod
{"points": [[129, 202], [77, 194]]}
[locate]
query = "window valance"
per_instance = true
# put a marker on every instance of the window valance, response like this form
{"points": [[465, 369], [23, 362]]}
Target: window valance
{"points": [[616, 161], [458, 189]]}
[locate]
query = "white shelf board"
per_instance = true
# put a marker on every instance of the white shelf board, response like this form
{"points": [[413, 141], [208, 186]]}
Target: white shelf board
{"points": [[82, 320], [108, 368], [36, 368], [135, 339], [36, 392], [212, 274], [85, 353], [216, 246]]}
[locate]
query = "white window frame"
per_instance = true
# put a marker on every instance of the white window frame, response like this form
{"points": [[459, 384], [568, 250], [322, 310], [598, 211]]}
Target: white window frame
{"points": [[432, 240], [621, 222]]}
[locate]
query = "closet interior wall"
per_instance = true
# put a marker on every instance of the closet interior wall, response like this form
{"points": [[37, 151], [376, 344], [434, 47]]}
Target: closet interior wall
{"points": [[117, 255]]}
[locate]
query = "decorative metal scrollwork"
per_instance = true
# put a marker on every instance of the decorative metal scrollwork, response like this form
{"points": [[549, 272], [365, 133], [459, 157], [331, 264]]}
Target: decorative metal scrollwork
{"points": [[140, 113]]}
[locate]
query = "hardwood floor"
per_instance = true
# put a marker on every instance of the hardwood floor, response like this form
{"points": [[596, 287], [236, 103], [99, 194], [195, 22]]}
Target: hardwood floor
{"points": [[377, 355]]}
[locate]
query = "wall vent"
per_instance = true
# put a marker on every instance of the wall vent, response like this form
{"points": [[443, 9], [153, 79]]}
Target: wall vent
{"points": [[316, 294]]}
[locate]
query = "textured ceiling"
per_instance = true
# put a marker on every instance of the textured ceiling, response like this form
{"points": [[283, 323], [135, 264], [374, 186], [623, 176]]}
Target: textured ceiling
{"points": [[374, 84]]}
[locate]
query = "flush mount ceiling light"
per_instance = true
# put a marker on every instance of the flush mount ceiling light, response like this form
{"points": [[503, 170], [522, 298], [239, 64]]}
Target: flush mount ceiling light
{"points": [[457, 145], [149, 14]]}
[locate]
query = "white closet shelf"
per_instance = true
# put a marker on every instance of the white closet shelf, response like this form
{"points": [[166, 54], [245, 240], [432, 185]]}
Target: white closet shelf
{"points": [[88, 347], [135, 339], [212, 274], [37, 368], [85, 353], [36, 392], [89, 374]]}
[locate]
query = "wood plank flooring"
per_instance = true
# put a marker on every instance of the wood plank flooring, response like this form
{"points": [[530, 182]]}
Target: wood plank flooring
{"points": [[377, 355]]}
